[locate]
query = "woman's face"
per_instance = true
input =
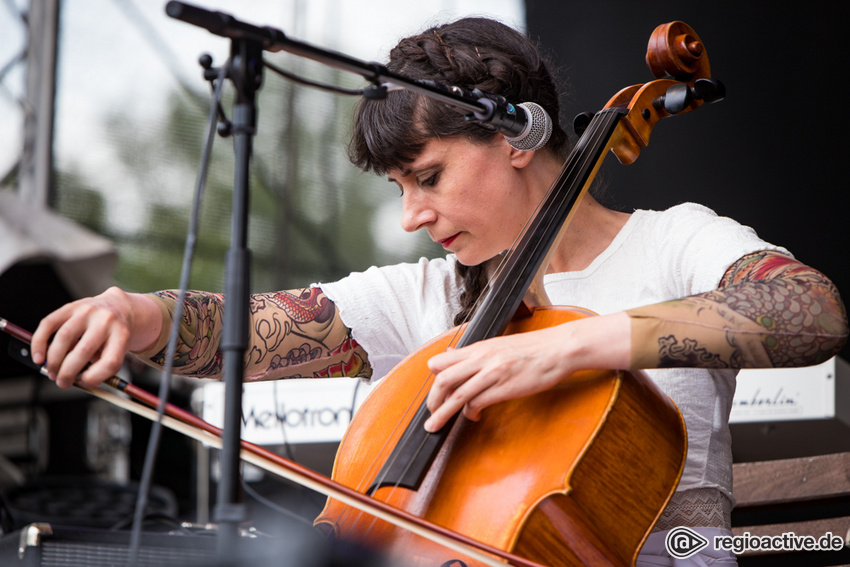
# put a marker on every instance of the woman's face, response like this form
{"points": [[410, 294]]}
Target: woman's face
{"points": [[470, 197]]}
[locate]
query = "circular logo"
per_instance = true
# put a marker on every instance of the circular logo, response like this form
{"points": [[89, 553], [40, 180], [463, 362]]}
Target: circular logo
{"points": [[682, 542]]}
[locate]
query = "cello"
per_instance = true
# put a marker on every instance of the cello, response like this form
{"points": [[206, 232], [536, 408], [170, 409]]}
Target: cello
{"points": [[607, 449]]}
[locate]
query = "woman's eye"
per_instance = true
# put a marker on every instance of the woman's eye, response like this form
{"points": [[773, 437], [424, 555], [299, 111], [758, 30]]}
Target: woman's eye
{"points": [[430, 181]]}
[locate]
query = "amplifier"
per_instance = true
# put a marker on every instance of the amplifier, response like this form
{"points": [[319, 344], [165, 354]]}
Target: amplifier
{"points": [[43, 544], [48, 545]]}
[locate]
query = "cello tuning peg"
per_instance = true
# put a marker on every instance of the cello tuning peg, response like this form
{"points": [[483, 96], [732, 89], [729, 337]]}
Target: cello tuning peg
{"points": [[709, 90], [581, 122], [677, 98]]}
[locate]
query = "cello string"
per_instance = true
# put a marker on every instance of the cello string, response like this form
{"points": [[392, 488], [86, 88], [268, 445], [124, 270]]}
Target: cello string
{"points": [[416, 401], [496, 273], [592, 140], [596, 131], [594, 136]]}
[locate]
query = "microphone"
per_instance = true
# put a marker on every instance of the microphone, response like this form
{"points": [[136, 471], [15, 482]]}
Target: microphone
{"points": [[526, 127]]}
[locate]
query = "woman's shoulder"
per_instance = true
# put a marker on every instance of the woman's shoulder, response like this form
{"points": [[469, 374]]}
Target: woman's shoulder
{"points": [[395, 308], [681, 212], [424, 270], [687, 220], [426, 280]]}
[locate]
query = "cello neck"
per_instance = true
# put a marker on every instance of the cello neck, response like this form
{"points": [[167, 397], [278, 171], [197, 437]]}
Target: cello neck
{"points": [[518, 281], [509, 292]]}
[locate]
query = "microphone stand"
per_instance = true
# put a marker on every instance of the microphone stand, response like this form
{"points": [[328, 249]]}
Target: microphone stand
{"points": [[245, 71]]}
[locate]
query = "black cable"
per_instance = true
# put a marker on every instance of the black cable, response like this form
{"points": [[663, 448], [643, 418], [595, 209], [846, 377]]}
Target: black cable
{"points": [[354, 399], [311, 83], [32, 421], [165, 384]]}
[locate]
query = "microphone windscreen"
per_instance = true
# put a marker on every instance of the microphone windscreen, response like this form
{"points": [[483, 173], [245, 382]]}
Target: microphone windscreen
{"points": [[538, 128]]}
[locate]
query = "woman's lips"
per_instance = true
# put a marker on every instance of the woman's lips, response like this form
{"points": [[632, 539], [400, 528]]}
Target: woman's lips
{"points": [[446, 242]]}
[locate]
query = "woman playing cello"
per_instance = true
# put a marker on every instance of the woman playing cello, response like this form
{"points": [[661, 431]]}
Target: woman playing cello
{"points": [[703, 297]]}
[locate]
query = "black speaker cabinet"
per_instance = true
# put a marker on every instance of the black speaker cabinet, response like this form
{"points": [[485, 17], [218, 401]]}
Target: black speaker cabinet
{"points": [[48, 545], [43, 544]]}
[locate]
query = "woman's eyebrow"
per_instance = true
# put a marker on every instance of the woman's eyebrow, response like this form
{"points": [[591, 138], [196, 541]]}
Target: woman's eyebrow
{"points": [[402, 174]]}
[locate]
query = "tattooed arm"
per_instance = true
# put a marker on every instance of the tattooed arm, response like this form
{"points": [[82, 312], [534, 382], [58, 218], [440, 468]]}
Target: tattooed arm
{"points": [[769, 311], [294, 334]]}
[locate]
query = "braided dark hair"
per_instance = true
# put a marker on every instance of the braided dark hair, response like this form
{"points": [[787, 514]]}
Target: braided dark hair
{"points": [[469, 53]]}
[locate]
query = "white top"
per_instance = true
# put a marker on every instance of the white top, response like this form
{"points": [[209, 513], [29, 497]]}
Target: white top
{"points": [[657, 256]]}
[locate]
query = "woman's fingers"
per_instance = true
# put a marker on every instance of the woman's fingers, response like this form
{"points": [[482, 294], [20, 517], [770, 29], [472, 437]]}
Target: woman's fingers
{"points": [[458, 399], [73, 346], [106, 363], [46, 327], [88, 336], [467, 380], [477, 376], [448, 375]]}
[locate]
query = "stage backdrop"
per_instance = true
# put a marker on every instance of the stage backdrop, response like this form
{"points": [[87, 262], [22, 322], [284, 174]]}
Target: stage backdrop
{"points": [[773, 155]]}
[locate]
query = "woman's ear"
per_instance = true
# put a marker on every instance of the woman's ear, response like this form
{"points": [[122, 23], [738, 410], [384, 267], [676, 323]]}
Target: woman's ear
{"points": [[520, 158]]}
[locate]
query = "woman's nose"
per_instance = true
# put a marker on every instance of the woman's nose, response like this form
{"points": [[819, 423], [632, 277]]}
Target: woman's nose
{"points": [[416, 213]]}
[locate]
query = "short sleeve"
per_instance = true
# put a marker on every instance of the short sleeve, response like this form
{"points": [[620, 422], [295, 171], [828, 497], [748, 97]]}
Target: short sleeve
{"points": [[392, 310], [700, 245]]}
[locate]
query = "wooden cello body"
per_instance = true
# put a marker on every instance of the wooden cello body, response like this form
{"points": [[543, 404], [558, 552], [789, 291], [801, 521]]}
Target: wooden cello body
{"points": [[576, 475], [571, 476]]}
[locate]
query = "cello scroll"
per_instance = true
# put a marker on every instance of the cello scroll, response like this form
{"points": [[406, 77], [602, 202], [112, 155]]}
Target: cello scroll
{"points": [[677, 57]]}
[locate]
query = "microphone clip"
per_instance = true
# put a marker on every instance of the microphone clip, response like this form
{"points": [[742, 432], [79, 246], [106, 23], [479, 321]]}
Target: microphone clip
{"points": [[526, 126], [498, 112]]}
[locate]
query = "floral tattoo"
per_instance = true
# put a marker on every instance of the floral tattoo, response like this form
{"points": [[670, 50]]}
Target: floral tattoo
{"points": [[769, 311], [294, 334]]}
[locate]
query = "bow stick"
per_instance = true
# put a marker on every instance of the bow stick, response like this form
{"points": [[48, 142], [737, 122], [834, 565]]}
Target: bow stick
{"points": [[196, 428]]}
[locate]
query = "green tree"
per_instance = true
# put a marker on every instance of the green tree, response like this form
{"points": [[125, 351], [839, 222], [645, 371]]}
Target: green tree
{"points": [[311, 215]]}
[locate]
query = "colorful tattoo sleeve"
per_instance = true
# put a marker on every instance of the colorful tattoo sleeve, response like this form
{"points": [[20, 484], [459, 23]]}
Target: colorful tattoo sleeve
{"points": [[769, 311], [294, 334]]}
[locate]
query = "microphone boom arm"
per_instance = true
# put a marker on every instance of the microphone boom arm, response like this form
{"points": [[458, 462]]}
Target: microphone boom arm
{"points": [[274, 40]]}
